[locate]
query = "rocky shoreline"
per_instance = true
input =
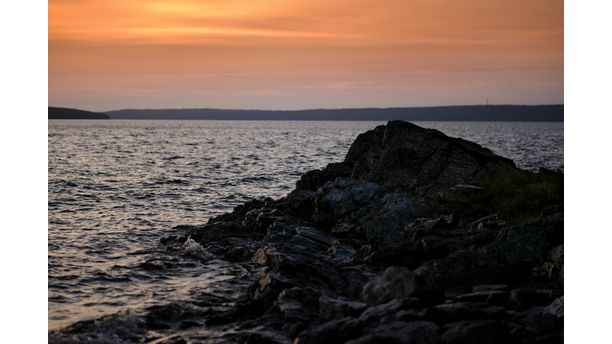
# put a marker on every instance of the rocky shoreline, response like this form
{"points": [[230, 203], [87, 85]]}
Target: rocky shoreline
{"points": [[416, 237]]}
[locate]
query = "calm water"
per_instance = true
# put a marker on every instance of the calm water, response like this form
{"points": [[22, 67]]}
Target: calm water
{"points": [[117, 187]]}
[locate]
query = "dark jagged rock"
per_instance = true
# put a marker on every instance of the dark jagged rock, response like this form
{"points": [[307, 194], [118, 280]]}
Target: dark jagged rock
{"points": [[555, 308], [482, 331], [394, 282], [415, 237], [403, 155], [417, 332], [332, 308]]}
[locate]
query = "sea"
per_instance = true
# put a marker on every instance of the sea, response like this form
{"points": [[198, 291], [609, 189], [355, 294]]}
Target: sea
{"points": [[116, 187]]}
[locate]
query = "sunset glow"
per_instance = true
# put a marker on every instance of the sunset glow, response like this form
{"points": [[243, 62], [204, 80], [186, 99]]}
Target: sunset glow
{"points": [[272, 54]]}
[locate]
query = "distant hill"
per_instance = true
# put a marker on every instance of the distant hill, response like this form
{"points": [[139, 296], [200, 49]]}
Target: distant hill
{"points": [[526, 113], [65, 113]]}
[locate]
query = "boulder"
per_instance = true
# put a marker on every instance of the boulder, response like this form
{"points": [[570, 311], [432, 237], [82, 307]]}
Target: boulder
{"points": [[555, 308], [525, 298], [556, 256], [339, 198], [496, 297], [460, 311], [375, 314], [394, 282], [334, 331], [387, 219], [416, 332], [301, 202], [490, 287], [480, 331], [404, 155], [298, 305], [461, 269], [219, 230], [337, 308]]}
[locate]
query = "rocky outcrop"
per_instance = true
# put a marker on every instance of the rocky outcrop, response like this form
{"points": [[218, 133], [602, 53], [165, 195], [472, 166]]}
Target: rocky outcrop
{"points": [[404, 156], [416, 237]]}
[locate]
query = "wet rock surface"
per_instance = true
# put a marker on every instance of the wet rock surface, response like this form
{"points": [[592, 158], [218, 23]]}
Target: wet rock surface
{"points": [[415, 237]]}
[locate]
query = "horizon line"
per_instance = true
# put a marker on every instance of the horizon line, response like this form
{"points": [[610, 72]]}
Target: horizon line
{"points": [[307, 109]]}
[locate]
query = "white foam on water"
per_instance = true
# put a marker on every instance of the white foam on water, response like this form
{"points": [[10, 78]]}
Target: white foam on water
{"points": [[192, 247]]}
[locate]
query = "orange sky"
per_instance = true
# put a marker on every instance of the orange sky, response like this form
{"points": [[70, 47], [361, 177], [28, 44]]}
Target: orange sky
{"points": [[274, 54]]}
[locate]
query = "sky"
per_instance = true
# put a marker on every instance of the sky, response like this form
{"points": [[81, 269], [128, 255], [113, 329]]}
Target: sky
{"points": [[284, 54]]}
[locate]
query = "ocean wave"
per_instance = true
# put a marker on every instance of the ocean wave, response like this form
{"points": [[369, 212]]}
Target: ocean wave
{"points": [[193, 248]]}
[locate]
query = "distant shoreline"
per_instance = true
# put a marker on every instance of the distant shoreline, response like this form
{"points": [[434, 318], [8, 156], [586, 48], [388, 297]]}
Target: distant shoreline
{"points": [[67, 113], [467, 113]]}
